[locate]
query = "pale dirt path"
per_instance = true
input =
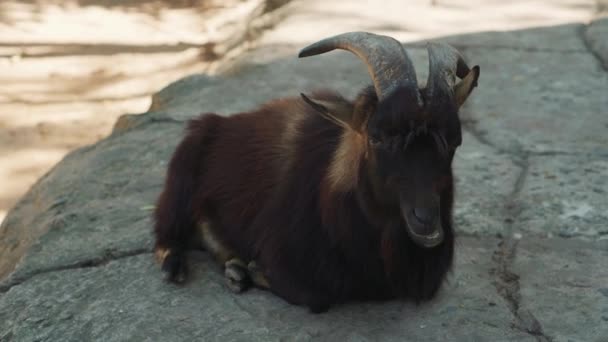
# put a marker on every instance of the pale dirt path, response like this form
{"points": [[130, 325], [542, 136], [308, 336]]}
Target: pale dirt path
{"points": [[69, 69]]}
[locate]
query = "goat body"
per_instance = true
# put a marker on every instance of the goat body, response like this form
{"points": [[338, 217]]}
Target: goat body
{"points": [[260, 180], [319, 199]]}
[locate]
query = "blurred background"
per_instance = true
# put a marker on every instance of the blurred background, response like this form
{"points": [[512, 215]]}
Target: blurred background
{"points": [[75, 261], [69, 68]]}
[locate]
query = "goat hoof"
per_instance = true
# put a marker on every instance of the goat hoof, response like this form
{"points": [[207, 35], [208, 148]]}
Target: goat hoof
{"points": [[235, 273], [175, 265]]}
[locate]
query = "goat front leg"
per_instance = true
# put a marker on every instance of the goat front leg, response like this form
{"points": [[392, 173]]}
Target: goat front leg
{"points": [[237, 275]]}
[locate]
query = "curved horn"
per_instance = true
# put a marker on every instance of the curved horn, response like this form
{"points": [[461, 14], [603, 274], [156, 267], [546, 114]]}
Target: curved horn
{"points": [[387, 62], [445, 63]]}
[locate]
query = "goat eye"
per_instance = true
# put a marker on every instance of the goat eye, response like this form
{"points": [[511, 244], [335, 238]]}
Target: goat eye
{"points": [[374, 141]]}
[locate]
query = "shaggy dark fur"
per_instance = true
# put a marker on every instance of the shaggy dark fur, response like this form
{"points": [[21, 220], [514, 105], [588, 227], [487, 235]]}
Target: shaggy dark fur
{"points": [[264, 191]]}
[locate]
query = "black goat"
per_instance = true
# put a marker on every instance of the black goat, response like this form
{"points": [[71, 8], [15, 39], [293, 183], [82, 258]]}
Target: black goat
{"points": [[323, 200]]}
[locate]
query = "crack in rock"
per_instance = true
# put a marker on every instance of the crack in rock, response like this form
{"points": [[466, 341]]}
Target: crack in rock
{"points": [[517, 155], [550, 153], [470, 125], [512, 209], [507, 286], [6, 285], [130, 122], [506, 281], [583, 36]]}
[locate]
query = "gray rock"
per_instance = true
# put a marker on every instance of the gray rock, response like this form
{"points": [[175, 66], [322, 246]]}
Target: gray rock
{"points": [[562, 281], [596, 34], [565, 196], [126, 299], [540, 101], [562, 38], [97, 202], [485, 178]]}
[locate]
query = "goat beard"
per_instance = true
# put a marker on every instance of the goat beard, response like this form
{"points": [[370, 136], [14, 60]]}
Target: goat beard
{"points": [[394, 249], [405, 263]]}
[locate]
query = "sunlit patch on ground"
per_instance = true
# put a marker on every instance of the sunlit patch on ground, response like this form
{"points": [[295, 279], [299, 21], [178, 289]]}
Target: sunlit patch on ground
{"points": [[69, 69]]}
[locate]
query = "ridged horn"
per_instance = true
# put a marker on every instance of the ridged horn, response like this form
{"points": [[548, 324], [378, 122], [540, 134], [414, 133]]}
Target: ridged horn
{"points": [[387, 62], [445, 64]]}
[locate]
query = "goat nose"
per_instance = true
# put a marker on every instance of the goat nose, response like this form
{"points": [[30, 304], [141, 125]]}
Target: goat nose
{"points": [[424, 215]]}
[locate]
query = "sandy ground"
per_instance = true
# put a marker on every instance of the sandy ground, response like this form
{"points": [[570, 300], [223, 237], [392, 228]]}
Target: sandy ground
{"points": [[68, 69]]}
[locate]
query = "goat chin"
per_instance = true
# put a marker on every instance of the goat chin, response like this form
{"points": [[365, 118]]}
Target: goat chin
{"points": [[424, 234]]}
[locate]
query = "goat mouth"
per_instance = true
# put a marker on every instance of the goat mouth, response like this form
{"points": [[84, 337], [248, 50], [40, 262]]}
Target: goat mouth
{"points": [[425, 234], [427, 241]]}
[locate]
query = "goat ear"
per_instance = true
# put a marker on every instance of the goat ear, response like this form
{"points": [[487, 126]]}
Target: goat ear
{"points": [[338, 112], [463, 89]]}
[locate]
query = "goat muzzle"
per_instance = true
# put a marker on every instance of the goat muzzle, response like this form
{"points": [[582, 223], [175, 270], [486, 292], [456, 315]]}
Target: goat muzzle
{"points": [[423, 224]]}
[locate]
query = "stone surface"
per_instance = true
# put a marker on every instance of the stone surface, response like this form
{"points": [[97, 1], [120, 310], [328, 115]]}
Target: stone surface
{"points": [[529, 39], [596, 34], [97, 202], [532, 166], [484, 181], [126, 299], [541, 101], [565, 196], [565, 282]]}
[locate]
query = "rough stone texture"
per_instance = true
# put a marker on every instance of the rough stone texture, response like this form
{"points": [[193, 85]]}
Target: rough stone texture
{"points": [[541, 101], [110, 217], [530, 39], [571, 305], [596, 38], [479, 169], [93, 303], [565, 196], [530, 210]]}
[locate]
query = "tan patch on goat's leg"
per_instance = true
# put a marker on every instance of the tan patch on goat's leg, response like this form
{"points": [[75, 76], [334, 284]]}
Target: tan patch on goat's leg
{"points": [[219, 251], [160, 254], [235, 270], [257, 276]]}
